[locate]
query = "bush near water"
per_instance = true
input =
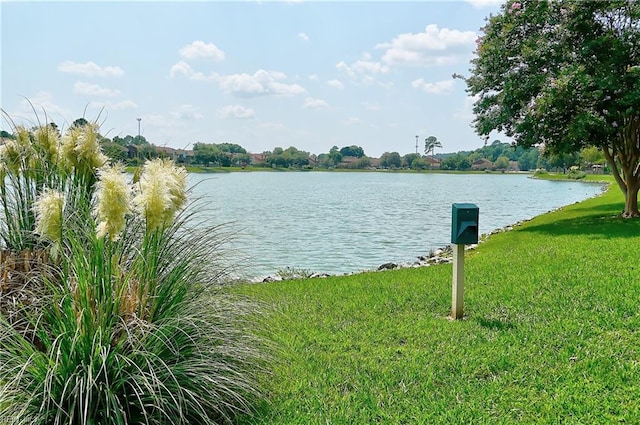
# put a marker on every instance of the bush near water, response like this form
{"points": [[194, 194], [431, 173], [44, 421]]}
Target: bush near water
{"points": [[110, 308]]}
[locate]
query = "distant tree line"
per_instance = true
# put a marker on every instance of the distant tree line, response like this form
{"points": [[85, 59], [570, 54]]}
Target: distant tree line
{"points": [[505, 156], [132, 150]]}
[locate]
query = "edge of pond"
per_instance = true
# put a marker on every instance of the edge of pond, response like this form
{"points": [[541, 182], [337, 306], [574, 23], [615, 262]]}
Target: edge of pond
{"points": [[442, 255]]}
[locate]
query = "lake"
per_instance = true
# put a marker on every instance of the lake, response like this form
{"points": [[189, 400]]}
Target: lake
{"points": [[340, 222]]}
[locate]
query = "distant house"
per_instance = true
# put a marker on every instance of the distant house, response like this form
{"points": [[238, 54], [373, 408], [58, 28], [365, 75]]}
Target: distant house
{"points": [[177, 155], [482, 164], [374, 162], [348, 162], [432, 162], [257, 158], [513, 166]]}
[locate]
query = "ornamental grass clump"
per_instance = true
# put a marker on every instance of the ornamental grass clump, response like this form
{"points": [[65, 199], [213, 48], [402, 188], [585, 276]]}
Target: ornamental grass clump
{"points": [[129, 325], [48, 208], [113, 202]]}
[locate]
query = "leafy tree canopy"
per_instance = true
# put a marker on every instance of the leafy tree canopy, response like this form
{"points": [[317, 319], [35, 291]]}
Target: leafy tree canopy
{"points": [[565, 74], [290, 157], [230, 147], [430, 144], [391, 160], [352, 150], [80, 122]]}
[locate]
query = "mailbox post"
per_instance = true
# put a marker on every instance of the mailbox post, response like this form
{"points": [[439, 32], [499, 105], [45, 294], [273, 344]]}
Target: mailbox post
{"points": [[464, 230]]}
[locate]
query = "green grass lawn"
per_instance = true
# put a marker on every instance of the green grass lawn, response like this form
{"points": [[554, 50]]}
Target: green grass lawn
{"points": [[550, 335]]}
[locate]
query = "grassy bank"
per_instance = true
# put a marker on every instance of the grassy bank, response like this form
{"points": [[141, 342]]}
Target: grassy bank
{"points": [[550, 334]]}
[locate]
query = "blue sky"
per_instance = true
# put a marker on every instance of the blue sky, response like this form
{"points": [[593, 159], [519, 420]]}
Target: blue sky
{"points": [[309, 74]]}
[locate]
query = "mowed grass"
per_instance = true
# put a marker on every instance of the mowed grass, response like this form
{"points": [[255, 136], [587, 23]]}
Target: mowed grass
{"points": [[550, 335]]}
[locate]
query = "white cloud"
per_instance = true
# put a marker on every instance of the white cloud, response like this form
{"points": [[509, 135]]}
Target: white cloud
{"points": [[199, 49], [353, 121], [312, 103], [439, 87], [313, 77], [303, 36], [183, 68], [434, 46], [89, 89], [335, 84], [364, 70], [186, 113], [90, 69], [236, 111], [260, 83]]}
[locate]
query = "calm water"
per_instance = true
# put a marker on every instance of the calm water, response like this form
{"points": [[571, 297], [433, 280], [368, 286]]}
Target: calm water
{"points": [[345, 222]]}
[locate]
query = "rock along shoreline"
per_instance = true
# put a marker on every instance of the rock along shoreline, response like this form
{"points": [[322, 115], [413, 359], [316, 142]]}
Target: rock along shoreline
{"points": [[441, 255]]}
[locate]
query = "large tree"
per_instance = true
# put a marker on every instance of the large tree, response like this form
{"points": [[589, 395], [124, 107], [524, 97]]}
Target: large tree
{"points": [[430, 144], [564, 74], [390, 160], [352, 150]]}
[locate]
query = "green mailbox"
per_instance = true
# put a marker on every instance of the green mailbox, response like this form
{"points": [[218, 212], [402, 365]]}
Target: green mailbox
{"points": [[464, 224]]}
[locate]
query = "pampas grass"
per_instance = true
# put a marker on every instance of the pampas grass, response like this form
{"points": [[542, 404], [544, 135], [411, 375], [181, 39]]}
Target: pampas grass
{"points": [[130, 325]]}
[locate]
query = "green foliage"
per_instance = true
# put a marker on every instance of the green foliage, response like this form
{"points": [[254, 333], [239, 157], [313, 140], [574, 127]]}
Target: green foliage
{"points": [[363, 162], [592, 155], [352, 150], [502, 163], [408, 160], [575, 174], [456, 162], [550, 333], [290, 157], [115, 152], [430, 144], [390, 160], [529, 159], [80, 122], [289, 273], [220, 154], [333, 158], [565, 74], [206, 153], [130, 140]]}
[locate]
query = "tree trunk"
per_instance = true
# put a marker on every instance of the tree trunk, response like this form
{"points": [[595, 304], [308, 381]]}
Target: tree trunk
{"points": [[631, 204], [625, 170]]}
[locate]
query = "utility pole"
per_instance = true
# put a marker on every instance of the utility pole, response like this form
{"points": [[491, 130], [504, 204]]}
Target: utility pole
{"points": [[416, 144], [139, 119]]}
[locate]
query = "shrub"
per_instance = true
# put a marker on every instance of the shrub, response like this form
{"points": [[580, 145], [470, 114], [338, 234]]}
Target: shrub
{"points": [[576, 174], [121, 318], [540, 172], [289, 273]]}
